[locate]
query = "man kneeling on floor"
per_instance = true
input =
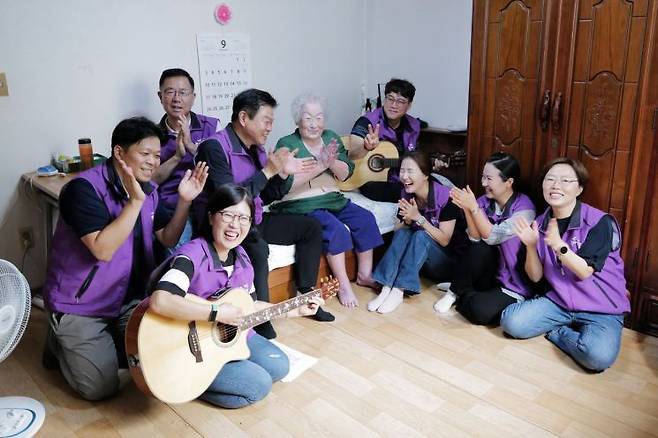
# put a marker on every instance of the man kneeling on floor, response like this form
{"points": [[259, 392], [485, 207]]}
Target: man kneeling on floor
{"points": [[102, 256]]}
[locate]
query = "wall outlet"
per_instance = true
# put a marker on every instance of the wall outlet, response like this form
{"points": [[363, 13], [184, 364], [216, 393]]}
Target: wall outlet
{"points": [[26, 237], [4, 88]]}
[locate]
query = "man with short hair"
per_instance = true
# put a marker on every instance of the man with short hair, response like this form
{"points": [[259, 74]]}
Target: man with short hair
{"points": [[237, 155], [102, 256], [390, 123], [184, 130]]}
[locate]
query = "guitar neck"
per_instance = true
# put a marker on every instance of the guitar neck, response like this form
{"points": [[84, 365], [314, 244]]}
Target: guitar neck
{"points": [[275, 311]]}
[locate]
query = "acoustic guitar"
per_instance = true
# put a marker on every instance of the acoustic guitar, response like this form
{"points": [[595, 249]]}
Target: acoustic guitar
{"points": [[375, 164], [177, 360], [372, 167]]}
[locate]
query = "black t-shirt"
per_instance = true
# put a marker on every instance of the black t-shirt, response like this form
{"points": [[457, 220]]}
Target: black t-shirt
{"points": [[360, 129], [84, 211], [597, 245], [220, 172]]}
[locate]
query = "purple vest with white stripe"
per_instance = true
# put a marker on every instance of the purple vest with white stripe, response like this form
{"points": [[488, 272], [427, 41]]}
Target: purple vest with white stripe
{"points": [[79, 283], [208, 278], [601, 292], [509, 276]]}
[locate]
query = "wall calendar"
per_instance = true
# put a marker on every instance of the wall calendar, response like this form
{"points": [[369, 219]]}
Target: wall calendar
{"points": [[224, 70]]}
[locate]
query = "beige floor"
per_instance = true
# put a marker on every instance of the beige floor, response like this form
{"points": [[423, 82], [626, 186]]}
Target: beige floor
{"points": [[410, 373]]}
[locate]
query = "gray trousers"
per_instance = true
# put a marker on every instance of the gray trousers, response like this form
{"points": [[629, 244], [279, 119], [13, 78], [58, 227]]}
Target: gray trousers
{"points": [[89, 350]]}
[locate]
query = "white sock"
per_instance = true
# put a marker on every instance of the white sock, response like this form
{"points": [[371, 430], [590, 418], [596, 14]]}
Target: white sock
{"points": [[392, 302], [444, 304], [443, 286], [379, 299]]}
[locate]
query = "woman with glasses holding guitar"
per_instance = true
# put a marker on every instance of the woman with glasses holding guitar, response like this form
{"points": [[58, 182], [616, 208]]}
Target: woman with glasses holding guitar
{"points": [[213, 266]]}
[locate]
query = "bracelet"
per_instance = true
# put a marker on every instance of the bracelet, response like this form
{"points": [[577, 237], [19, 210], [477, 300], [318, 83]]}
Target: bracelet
{"points": [[213, 313]]}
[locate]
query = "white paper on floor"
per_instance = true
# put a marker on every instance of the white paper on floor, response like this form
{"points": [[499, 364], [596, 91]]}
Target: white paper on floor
{"points": [[299, 362]]}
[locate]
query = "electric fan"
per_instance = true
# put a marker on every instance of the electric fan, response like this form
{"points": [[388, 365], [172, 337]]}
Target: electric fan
{"points": [[19, 416]]}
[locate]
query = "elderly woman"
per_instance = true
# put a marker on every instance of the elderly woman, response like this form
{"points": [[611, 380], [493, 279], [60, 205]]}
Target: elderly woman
{"points": [[575, 247], [344, 225]]}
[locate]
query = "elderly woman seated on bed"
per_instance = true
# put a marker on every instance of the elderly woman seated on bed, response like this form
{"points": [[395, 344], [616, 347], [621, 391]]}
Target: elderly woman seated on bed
{"points": [[344, 225]]}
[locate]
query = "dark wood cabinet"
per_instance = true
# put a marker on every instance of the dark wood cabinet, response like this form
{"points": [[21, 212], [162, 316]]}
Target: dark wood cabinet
{"points": [[574, 78], [645, 297]]}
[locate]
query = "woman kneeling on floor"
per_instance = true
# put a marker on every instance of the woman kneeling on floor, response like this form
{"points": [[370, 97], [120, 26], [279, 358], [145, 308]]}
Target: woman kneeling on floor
{"points": [[426, 237], [575, 247], [216, 262]]}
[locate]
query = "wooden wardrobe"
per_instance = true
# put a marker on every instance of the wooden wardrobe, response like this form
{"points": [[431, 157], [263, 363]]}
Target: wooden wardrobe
{"points": [[551, 78]]}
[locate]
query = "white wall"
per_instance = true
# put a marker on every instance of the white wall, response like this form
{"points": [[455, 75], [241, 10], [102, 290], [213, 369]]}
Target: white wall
{"points": [[77, 67], [428, 43]]}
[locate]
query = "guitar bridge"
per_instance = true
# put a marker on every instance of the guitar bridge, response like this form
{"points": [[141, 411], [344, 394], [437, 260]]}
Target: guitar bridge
{"points": [[193, 342]]}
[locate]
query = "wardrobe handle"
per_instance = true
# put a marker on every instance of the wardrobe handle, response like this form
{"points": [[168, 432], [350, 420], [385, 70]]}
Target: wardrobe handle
{"points": [[647, 257], [556, 115], [544, 109]]}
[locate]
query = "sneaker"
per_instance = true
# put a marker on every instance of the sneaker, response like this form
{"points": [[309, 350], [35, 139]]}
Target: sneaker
{"points": [[444, 304], [323, 316], [443, 286]]}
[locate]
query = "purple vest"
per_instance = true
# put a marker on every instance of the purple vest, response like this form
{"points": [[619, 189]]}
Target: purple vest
{"points": [[601, 292], [77, 282], [508, 274], [242, 168], [208, 278], [386, 133], [201, 127], [438, 195]]}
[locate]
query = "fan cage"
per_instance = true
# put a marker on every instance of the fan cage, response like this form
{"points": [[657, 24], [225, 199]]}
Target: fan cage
{"points": [[15, 292]]}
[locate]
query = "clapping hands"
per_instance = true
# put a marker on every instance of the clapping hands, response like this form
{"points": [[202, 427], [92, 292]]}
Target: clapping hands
{"points": [[284, 162], [529, 234], [408, 210], [329, 154], [464, 198]]}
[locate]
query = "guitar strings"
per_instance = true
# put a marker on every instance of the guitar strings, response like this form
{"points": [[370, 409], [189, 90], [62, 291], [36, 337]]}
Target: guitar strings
{"points": [[230, 331]]}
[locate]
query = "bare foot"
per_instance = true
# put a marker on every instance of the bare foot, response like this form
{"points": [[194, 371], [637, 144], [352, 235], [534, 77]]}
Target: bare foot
{"points": [[368, 282], [347, 298]]}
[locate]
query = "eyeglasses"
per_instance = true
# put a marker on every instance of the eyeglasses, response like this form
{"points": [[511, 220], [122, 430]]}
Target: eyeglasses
{"points": [[400, 101], [549, 180], [170, 92], [229, 218]]}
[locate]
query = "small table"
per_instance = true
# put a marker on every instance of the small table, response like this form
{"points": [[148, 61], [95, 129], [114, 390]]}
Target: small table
{"points": [[47, 189]]}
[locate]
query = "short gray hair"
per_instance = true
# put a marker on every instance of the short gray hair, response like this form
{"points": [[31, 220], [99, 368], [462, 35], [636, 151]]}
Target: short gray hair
{"points": [[298, 103]]}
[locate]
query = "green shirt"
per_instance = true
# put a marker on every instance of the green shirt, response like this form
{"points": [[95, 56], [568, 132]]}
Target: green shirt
{"points": [[333, 200]]}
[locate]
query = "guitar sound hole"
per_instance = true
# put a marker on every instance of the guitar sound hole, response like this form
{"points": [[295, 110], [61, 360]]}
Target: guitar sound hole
{"points": [[225, 333], [376, 163]]}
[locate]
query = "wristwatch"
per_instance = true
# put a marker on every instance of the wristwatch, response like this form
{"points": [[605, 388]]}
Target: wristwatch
{"points": [[564, 249], [420, 221]]}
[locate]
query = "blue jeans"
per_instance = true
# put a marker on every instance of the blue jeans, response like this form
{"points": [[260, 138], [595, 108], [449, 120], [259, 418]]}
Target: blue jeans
{"points": [[243, 382], [410, 251], [591, 339]]}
